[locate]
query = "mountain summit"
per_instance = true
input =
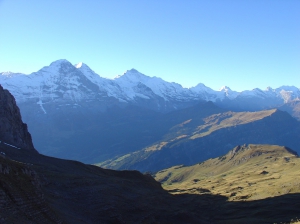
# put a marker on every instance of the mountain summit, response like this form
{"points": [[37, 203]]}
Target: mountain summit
{"points": [[62, 81]]}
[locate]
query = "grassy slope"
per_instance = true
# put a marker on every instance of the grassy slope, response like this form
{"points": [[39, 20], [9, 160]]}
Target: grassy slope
{"points": [[251, 173]]}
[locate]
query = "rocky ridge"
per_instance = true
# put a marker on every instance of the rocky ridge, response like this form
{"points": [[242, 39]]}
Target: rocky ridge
{"points": [[12, 128]]}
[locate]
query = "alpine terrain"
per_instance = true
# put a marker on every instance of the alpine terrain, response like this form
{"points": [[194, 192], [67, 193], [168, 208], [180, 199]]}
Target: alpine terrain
{"points": [[39, 189], [74, 113]]}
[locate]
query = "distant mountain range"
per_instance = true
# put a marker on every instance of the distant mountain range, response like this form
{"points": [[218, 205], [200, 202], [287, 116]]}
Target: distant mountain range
{"points": [[74, 113], [63, 82]]}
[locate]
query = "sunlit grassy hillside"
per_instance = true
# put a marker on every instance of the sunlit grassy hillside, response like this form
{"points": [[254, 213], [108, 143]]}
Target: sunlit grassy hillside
{"points": [[245, 173]]}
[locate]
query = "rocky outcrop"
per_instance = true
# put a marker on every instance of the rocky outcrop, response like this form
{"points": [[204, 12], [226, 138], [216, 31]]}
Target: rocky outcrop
{"points": [[12, 129]]}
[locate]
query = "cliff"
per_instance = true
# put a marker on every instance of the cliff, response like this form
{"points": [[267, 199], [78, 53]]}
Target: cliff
{"points": [[12, 130]]}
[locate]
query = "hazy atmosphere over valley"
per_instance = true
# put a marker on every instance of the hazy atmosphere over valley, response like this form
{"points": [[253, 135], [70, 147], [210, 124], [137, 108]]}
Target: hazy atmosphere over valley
{"points": [[149, 112]]}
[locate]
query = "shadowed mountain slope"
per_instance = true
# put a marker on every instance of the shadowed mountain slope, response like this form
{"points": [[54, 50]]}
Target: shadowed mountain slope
{"points": [[193, 141], [292, 108], [12, 128], [21, 197], [91, 137]]}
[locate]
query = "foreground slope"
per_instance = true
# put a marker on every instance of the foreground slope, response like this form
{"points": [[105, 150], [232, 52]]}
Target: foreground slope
{"points": [[73, 192], [194, 141], [49, 190], [245, 173]]}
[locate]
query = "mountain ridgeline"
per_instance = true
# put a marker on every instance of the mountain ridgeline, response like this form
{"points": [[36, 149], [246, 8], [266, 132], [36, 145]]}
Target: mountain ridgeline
{"points": [[247, 172], [74, 113], [194, 141], [65, 84]]}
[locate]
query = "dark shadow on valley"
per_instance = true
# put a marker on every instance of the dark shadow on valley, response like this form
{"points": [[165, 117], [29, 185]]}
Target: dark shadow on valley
{"points": [[217, 209]]}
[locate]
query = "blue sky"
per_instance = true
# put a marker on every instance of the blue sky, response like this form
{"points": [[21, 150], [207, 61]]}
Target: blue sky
{"points": [[241, 44]]}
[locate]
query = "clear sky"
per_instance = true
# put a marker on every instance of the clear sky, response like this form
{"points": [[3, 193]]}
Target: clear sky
{"points": [[239, 43]]}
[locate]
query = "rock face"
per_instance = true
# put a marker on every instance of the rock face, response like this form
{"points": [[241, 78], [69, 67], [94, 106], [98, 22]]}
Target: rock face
{"points": [[12, 130]]}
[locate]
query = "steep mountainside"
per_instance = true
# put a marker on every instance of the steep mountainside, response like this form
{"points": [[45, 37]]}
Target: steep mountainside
{"points": [[38, 189], [12, 129], [93, 137], [292, 108], [193, 141], [245, 173]]}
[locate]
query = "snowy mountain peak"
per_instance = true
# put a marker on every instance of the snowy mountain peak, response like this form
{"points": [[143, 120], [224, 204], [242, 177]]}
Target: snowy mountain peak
{"points": [[133, 71], [60, 62], [82, 66], [78, 65], [200, 85], [59, 66], [201, 88], [133, 75], [8, 74], [88, 72], [288, 88], [62, 81], [230, 94], [225, 89]]}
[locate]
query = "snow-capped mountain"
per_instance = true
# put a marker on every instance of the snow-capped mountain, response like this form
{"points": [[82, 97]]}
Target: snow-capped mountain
{"points": [[74, 113], [66, 83], [61, 80], [133, 83]]}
